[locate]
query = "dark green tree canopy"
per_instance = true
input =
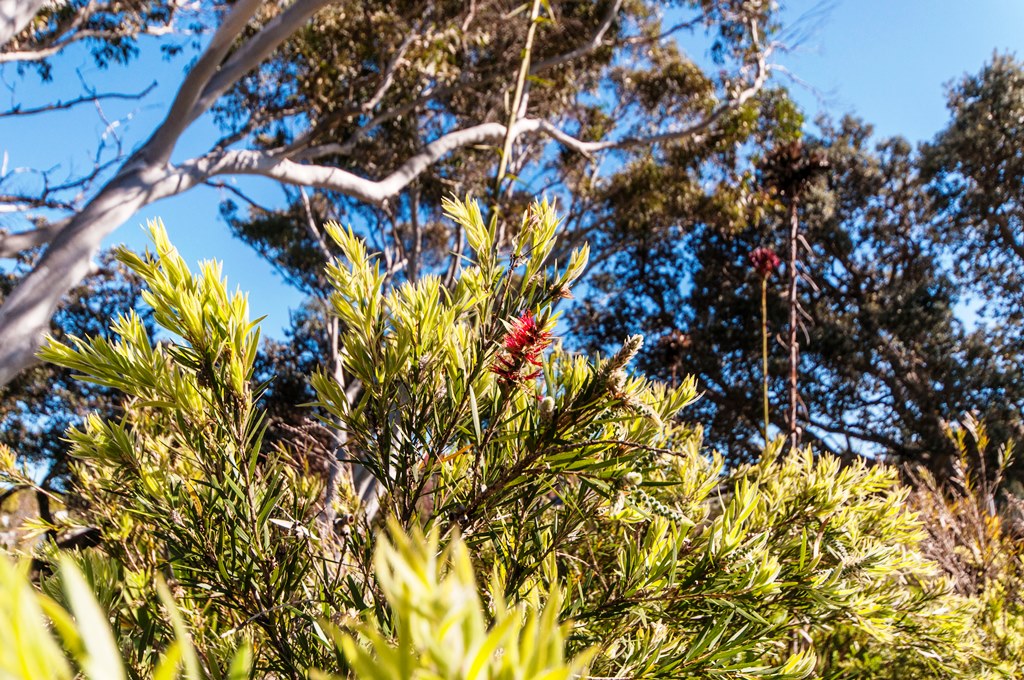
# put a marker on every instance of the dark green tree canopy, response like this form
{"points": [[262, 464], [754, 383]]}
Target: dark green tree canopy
{"points": [[886, 362], [977, 169]]}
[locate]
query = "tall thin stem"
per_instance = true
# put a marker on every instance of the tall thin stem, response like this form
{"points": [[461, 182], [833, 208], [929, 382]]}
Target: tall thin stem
{"points": [[524, 71], [764, 352], [794, 304], [513, 116]]}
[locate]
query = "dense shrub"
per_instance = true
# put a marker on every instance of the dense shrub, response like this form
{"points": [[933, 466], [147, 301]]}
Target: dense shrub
{"points": [[611, 544]]}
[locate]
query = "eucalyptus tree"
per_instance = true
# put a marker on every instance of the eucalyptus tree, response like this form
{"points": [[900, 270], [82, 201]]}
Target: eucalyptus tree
{"points": [[367, 100]]}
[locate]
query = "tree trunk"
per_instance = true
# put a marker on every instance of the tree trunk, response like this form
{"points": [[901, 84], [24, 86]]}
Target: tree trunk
{"points": [[794, 344], [25, 314], [15, 16]]}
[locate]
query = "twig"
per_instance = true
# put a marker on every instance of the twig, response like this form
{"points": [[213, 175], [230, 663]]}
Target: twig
{"points": [[70, 103]]}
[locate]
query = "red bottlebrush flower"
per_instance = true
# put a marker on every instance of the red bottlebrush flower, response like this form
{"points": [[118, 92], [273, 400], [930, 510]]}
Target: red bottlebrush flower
{"points": [[520, 358], [764, 261]]}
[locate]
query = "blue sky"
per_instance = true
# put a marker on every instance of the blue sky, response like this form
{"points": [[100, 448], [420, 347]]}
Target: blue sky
{"points": [[888, 61], [884, 60]]}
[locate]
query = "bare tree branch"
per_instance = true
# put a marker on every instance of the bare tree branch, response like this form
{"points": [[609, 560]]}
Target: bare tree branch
{"points": [[285, 168], [55, 48], [388, 77], [13, 244], [690, 131], [667, 33], [70, 103], [252, 202], [250, 54], [161, 144], [52, 194], [17, 203]]}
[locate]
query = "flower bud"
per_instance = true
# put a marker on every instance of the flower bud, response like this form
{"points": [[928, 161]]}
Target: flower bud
{"points": [[547, 409]]}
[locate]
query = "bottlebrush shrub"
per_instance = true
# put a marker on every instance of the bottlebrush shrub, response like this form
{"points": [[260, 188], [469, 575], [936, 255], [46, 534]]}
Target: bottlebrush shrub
{"points": [[974, 535], [84, 645], [576, 490]]}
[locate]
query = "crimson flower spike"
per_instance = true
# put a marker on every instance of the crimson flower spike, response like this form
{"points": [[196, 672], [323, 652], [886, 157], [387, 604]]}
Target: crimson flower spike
{"points": [[520, 359], [764, 261]]}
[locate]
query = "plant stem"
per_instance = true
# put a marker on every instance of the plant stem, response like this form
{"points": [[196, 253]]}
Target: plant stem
{"points": [[794, 344], [513, 116], [764, 353]]}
